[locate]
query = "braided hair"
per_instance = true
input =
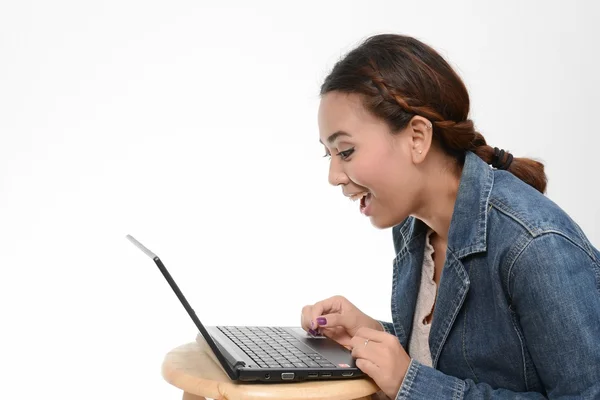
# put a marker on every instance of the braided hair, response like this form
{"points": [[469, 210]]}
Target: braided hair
{"points": [[399, 77]]}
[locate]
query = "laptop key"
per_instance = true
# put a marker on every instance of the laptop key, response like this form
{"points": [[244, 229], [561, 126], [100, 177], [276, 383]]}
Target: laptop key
{"points": [[312, 364], [287, 365], [300, 365]]}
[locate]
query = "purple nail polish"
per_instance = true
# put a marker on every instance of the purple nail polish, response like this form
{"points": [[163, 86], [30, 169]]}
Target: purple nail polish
{"points": [[312, 332], [312, 325], [321, 321]]}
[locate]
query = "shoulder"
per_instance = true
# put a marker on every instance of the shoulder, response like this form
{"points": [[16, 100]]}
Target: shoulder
{"points": [[521, 210]]}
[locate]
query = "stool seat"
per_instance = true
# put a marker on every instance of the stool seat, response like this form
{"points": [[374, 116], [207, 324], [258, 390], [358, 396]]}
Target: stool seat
{"points": [[193, 368]]}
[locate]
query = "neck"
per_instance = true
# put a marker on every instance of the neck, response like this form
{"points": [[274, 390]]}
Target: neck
{"points": [[438, 196]]}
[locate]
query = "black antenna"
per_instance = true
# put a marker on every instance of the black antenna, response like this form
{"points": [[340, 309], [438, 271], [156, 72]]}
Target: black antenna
{"points": [[187, 307]]}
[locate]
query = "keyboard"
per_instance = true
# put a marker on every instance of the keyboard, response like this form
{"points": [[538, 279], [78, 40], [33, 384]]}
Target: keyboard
{"points": [[272, 347]]}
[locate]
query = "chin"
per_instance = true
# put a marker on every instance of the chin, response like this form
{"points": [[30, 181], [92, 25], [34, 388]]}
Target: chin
{"points": [[385, 222], [381, 223]]}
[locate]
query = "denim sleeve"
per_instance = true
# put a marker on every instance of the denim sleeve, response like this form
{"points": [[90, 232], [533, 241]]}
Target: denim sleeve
{"points": [[555, 289], [387, 327], [554, 286], [426, 383]]}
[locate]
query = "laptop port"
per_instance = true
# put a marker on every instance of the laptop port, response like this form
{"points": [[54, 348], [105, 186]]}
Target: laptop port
{"points": [[313, 375], [287, 376], [326, 374], [267, 376], [348, 373]]}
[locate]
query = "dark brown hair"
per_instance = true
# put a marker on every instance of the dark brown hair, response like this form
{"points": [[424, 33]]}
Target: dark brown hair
{"points": [[399, 77]]}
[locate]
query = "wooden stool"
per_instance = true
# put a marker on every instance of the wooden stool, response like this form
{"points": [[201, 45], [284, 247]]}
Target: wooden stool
{"points": [[193, 368]]}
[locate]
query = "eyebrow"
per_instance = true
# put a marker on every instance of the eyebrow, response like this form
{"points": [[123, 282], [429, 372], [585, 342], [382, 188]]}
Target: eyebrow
{"points": [[334, 136]]}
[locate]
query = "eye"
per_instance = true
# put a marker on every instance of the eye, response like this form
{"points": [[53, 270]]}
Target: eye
{"points": [[346, 153]]}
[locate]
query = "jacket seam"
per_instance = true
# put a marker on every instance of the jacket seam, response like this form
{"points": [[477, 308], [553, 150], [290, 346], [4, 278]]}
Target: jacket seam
{"points": [[398, 329], [509, 212], [459, 390], [409, 378], [584, 243], [537, 232], [516, 328], [595, 265], [518, 248], [464, 346]]}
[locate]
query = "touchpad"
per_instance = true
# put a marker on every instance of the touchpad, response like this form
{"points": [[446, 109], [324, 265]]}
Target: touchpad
{"points": [[331, 350]]}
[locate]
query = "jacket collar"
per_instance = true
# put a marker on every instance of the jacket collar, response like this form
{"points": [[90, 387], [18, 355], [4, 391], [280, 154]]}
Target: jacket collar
{"points": [[468, 227]]}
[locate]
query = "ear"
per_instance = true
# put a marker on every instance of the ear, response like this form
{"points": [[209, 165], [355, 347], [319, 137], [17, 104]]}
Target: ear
{"points": [[420, 130]]}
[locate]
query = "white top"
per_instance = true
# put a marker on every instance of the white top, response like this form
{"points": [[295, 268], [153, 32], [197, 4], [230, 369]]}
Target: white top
{"points": [[418, 347]]}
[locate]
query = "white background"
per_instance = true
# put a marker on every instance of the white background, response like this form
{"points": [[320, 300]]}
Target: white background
{"points": [[192, 126]]}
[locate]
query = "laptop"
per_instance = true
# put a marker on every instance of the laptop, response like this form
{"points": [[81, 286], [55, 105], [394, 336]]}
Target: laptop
{"points": [[267, 353]]}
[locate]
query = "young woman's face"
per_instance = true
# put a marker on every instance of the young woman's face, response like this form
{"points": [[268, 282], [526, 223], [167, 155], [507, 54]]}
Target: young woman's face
{"points": [[367, 158]]}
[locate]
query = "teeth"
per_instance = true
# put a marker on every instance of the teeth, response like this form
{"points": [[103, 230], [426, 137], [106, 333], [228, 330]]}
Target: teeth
{"points": [[358, 196]]}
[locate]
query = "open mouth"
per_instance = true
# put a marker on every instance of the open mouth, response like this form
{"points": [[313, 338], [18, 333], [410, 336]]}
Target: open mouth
{"points": [[364, 197]]}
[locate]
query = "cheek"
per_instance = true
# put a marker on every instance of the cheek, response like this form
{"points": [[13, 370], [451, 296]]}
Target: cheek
{"points": [[372, 176], [394, 185], [387, 177], [366, 174], [384, 170]]}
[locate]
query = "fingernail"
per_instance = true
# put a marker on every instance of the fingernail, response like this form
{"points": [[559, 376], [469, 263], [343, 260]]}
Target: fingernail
{"points": [[312, 325], [321, 321], [312, 332]]}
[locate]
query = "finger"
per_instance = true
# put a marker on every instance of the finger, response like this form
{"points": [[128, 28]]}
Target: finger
{"points": [[359, 348], [306, 322], [309, 315], [305, 317], [327, 306], [332, 331], [372, 351], [368, 368], [359, 341], [332, 320], [368, 349], [374, 335], [338, 334]]}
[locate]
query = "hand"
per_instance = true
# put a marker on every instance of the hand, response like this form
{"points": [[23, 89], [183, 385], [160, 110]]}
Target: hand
{"points": [[380, 355], [337, 319]]}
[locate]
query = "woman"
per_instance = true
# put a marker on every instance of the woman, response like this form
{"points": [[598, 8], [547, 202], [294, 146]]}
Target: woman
{"points": [[496, 291]]}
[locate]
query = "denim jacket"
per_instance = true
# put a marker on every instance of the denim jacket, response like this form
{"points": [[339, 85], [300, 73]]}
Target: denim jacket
{"points": [[517, 313]]}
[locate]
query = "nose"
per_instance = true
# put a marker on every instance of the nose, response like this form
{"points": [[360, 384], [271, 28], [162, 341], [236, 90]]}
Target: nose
{"points": [[336, 174]]}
